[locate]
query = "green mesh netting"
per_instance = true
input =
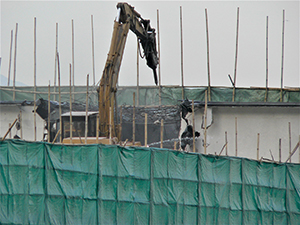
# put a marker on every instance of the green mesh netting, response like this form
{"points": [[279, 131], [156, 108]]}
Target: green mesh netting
{"points": [[150, 95], [41, 183]]}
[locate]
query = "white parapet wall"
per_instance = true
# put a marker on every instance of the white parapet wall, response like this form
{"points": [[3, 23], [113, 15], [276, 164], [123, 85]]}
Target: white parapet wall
{"points": [[9, 112], [272, 124]]}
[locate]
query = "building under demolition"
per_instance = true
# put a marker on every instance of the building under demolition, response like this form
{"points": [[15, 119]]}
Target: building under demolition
{"points": [[258, 124]]}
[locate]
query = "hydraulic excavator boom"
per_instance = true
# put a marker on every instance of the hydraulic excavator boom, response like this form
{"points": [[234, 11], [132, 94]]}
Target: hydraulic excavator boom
{"points": [[127, 19]]}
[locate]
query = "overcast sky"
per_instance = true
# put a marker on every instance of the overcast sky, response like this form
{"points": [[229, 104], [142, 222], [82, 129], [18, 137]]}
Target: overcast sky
{"points": [[222, 16]]}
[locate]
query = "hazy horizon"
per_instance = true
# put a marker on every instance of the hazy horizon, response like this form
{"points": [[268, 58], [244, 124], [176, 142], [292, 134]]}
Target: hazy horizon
{"points": [[222, 16]]}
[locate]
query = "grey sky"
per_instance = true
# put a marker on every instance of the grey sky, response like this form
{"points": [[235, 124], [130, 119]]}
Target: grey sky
{"points": [[222, 33]]}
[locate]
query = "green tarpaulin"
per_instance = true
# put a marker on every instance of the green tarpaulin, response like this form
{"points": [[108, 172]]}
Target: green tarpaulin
{"points": [[41, 183], [150, 95]]}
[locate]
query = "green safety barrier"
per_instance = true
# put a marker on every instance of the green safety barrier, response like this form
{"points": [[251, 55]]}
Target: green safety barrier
{"points": [[42, 183]]}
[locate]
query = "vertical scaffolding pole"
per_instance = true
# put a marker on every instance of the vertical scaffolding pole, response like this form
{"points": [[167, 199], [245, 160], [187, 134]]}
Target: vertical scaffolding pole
{"points": [[21, 130], [133, 119], [120, 129], [280, 150], [49, 111], [71, 119], [55, 64], [93, 56], [267, 58], [290, 141], [10, 53], [59, 96], [236, 53], [15, 64], [97, 129], [205, 123], [138, 73], [257, 148], [34, 78], [146, 129], [158, 43], [282, 57], [161, 133], [73, 64], [226, 141], [87, 109], [193, 115], [236, 133], [181, 45], [93, 50], [110, 125], [208, 67]]}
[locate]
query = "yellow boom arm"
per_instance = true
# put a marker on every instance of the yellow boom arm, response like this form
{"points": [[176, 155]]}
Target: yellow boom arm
{"points": [[127, 19]]}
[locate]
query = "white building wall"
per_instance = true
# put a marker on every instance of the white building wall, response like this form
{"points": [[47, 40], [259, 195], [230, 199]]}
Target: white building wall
{"points": [[10, 112], [272, 123]]}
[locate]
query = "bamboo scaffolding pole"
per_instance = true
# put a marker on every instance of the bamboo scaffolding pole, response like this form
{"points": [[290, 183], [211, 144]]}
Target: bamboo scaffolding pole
{"points": [[236, 135], [71, 119], [59, 96], [161, 133], [292, 153], [138, 74], [93, 50], [207, 46], [73, 64], [290, 140], [120, 127], [93, 55], [272, 155], [15, 64], [45, 92], [205, 123], [236, 53], [58, 132], [87, 109], [55, 63], [267, 58], [121, 88], [146, 129], [49, 111], [125, 142], [266, 159], [9, 125], [181, 48], [10, 53], [80, 137], [280, 150], [9, 129], [299, 151], [282, 57], [225, 145], [193, 118], [97, 129], [158, 45], [226, 141], [20, 119], [34, 79], [110, 124], [133, 119], [175, 143], [257, 148]]}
